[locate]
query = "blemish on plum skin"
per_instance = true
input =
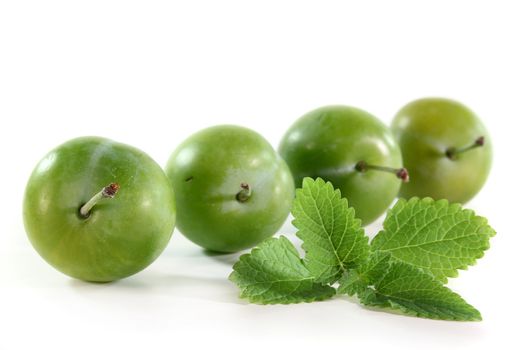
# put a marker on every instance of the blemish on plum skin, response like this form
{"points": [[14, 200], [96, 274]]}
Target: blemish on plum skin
{"points": [[189, 179]]}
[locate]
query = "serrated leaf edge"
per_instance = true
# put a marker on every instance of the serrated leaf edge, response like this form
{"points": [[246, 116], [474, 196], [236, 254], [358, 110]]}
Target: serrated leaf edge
{"points": [[259, 299], [403, 202]]}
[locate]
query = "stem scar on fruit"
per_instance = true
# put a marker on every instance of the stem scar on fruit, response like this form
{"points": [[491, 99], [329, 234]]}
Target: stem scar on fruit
{"points": [[107, 192], [244, 194]]}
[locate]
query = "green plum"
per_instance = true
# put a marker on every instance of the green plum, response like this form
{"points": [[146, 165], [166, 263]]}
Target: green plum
{"points": [[350, 148], [80, 229], [445, 147], [232, 189]]}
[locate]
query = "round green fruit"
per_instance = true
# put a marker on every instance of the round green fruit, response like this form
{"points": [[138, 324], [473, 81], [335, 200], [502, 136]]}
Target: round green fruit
{"points": [[446, 149], [232, 189], [350, 148], [82, 230]]}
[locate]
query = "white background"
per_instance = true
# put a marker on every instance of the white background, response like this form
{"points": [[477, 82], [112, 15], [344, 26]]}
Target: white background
{"points": [[151, 73]]}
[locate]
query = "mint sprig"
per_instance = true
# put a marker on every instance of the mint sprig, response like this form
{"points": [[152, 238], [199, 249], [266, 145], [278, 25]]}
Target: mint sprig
{"points": [[422, 243]]}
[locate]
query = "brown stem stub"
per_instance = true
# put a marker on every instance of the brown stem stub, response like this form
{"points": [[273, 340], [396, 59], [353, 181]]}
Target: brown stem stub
{"points": [[403, 174], [110, 190], [480, 141]]}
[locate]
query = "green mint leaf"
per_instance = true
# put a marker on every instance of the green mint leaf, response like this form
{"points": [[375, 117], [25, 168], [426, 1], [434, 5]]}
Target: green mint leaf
{"points": [[273, 273], [433, 235], [356, 281], [415, 292], [334, 240], [351, 283]]}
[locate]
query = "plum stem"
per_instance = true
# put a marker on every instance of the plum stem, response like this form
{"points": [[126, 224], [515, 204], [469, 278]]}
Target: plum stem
{"points": [[107, 192], [245, 193], [452, 152], [401, 173]]}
